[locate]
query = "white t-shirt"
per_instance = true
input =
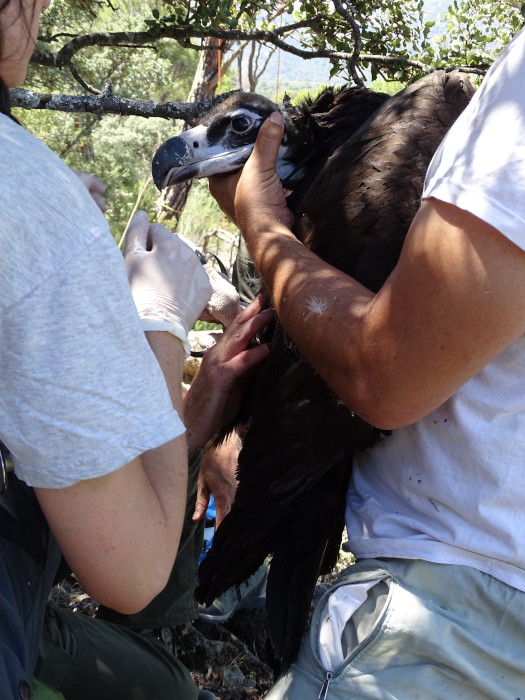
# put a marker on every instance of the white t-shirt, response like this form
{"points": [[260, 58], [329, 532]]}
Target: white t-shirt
{"points": [[81, 393], [451, 488]]}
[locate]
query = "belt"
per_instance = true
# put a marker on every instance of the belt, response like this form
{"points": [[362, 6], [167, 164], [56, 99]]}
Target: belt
{"points": [[6, 466]]}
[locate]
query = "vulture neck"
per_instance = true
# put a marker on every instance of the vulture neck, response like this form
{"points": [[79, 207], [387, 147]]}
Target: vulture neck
{"points": [[290, 174]]}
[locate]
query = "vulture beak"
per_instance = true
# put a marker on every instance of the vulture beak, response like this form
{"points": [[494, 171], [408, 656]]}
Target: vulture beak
{"points": [[190, 155]]}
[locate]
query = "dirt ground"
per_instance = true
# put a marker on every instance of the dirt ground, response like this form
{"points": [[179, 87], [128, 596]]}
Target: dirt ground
{"points": [[233, 659]]}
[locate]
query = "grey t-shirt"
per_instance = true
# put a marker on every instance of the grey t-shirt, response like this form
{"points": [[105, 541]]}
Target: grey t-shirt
{"points": [[81, 393]]}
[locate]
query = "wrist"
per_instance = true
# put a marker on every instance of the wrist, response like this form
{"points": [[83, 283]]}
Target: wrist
{"points": [[175, 328], [169, 352], [269, 242]]}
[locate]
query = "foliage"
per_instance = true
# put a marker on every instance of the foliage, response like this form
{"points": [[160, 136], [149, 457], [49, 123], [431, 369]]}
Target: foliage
{"points": [[388, 29], [227, 14], [475, 32], [117, 149], [391, 87], [159, 71], [393, 38], [203, 213]]}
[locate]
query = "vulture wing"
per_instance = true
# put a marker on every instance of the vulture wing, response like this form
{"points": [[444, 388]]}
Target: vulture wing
{"points": [[360, 206], [296, 460]]}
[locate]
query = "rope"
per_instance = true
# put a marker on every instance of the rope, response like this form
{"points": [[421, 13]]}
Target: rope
{"points": [[219, 75], [219, 60], [278, 68]]}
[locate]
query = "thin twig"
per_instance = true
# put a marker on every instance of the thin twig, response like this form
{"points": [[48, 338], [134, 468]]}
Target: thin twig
{"points": [[76, 75], [143, 187]]}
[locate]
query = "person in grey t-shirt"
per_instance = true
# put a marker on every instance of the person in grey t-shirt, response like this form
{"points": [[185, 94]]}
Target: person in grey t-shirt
{"points": [[90, 404]]}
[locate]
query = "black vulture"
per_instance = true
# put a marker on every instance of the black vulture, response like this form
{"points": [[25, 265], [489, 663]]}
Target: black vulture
{"points": [[356, 162]]}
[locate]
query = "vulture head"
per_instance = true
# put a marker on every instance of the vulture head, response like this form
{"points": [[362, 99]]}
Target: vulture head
{"points": [[221, 143], [223, 140]]}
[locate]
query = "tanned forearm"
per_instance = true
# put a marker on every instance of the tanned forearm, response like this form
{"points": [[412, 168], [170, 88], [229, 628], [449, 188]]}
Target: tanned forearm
{"points": [[450, 306], [312, 300]]}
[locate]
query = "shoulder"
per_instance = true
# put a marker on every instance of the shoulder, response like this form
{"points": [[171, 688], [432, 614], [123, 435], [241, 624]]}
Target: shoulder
{"points": [[502, 93], [47, 215], [480, 165]]}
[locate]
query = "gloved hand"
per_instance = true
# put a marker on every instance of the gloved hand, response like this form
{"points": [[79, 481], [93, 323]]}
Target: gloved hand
{"points": [[168, 282], [225, 303]]}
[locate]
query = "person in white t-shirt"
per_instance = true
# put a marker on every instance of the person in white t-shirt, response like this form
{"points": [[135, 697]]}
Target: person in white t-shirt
{"points": [[435, 606], [91, 404]]}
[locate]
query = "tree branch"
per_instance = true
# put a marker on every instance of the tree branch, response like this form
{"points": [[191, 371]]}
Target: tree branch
{"points": [[182, 34], [106, 103], [349, 15], [80, 80], [63, 57]]}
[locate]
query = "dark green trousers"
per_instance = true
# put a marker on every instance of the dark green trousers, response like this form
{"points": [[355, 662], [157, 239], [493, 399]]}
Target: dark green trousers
{"points": [[89, 659], [104, 658], [175, 605]]}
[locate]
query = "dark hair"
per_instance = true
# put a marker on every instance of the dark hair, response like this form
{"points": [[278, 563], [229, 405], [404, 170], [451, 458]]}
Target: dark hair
{"points": [[5, 100]]}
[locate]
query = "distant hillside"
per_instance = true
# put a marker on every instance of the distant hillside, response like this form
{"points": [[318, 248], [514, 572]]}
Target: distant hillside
{"points": [[293, 74]]}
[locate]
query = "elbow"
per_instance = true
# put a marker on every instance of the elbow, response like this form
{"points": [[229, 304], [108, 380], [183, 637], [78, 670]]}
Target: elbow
{"points": [[123, 606], [131, 601], [398, 407], [385, 420], [380, 410], [382, 392], [130, 594]]}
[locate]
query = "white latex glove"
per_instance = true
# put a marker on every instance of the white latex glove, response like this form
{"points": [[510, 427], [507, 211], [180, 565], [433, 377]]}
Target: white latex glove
{"points": [[168, 282], [224, 304]]}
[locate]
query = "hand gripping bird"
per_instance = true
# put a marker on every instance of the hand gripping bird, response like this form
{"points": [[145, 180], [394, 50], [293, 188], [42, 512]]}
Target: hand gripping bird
{"points": [[355, 161]]}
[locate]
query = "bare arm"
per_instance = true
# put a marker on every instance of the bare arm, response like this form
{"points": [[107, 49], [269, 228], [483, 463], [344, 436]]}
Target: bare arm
{"points": [[120, 532], [454, 301]]}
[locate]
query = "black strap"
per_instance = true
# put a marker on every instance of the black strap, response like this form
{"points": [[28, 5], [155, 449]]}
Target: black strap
{"points": [[6, 466], [21, 518]]}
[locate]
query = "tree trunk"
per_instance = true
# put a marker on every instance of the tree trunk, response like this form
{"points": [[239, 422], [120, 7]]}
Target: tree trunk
{"points": [[171, 202]]}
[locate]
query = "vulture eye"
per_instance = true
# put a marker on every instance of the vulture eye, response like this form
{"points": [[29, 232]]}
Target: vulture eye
{"points": [[241, 124]]}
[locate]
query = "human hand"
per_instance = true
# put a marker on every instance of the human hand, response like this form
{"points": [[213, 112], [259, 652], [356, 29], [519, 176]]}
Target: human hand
{"points": [[254, 199], [94, 186], [217, 476], [215, 393], [168, 282], [223, 189]]}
